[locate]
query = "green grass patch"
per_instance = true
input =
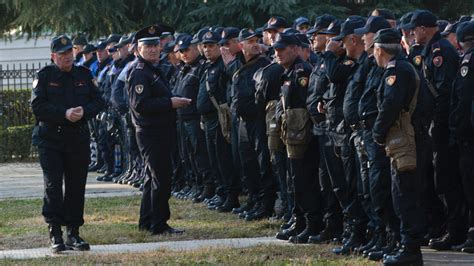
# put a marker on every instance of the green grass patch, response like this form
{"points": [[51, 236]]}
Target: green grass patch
{"points": [[115, 221], [259, 255]]}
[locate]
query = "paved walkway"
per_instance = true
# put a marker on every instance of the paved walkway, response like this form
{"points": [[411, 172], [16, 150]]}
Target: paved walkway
{"points": [[25, 180], [430, 257]]}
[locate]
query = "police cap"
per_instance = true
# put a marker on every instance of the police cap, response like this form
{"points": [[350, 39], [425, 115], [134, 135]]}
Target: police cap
{"points": [[387, 36], [275, 23], [373, 24], [465, 32], [283, 40], [322, 22], [247, 33], [229, 33], [61, 44], [422, 18], [349, 25]]}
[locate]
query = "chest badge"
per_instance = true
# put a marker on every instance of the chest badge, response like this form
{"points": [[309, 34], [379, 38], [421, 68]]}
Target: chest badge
{"points": [[303, 81], [464, 71], [139, 88], [390, 80]]}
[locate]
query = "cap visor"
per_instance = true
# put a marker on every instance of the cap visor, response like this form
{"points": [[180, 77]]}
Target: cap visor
{"points": [[409, 26], [361, 31], [338, 38], [279, 45], [64, 49], [208, 41]]}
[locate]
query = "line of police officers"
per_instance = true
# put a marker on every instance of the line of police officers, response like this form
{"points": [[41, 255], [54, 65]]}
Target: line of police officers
{"points": [[363, 128]]}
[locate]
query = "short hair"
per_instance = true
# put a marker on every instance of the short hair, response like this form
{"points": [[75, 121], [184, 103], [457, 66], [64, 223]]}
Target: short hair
{"points": [[390, 48]]}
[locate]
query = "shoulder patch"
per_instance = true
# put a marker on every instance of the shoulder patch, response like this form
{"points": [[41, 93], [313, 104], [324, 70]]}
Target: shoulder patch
{"points": [[303, 81], [435, 47], [390, 80], [467, 58], [139, 88], [391, 64], [417, 60], [464, 71], [140, 66], [348, 62], [438, 61], [35, 83]]}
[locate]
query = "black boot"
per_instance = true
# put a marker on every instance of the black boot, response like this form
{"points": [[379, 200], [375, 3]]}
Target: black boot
{"points": [[392, 246], [370, 244], [288, 224], [296, 228], [311, 229], [74, 241], [330, 232], [468, 245], [207, 193], [354, 241], [405, 256], [246, 207], [446, 242], [56, 237], [230, 203], [265, 211], [380, 241]]}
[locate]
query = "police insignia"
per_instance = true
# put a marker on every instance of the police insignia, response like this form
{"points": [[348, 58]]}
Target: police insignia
{"points": [[303, 81], [63, 41], [208, 34], [139, 89], [251, 31], [151, 30], [417, 60], [390, 80], [438, 61], [272, 21], [223, 35], [35, 83], [464, 71], [348, 62]]}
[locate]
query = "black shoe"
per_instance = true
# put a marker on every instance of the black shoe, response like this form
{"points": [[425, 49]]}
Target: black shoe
{"points": [[102, 177], [467, 245], [389, 248], [212, 205], [405, 256], [94, 167], [325, 236], [102, 170], [265, 211], [295, 229], [356, 240], [56, 237], [168, 230], [250, 204], [288, 224], [445, 242], [207, 193], [229, 204], [74, 241], [302, 238], [377, 243]]}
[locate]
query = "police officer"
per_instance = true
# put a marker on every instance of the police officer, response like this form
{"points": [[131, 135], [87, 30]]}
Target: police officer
{"points": [[64, 97], [78, 44], [211, 97], [440, 62], [461, 125], [377, 188], [395, 95], [303, 153], [153, 113]]}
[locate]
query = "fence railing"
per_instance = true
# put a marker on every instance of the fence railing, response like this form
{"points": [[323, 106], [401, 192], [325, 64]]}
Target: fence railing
{"points": [[16, 117]]}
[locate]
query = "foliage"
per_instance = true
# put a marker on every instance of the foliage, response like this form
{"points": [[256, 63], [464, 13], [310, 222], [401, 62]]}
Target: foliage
{"points": [[16, 107], [100, 18], [15, 143]]}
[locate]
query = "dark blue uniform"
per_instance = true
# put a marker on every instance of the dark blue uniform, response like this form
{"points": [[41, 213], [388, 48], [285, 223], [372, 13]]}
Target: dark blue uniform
{"points": [[394, 95], [63, 146], [155, 126], [440, 63]]}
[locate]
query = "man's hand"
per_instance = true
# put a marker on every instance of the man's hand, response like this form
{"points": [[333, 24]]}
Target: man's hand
{"points": [[227, 57], [180, 102], [321, 108], [74, 114]]}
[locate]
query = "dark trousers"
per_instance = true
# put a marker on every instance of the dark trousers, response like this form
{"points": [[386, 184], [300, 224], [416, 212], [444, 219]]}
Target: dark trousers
{"points": [[407, 205], [340, 162], [466, 164], [248, 159], [280, 165], [220, 156], [105, 144], [307, 194], [156, 149], [185, 156], [256, 132], [197, 147], [448, 179], [380, 184], [331, 205], [71, 166], [237, 162]]}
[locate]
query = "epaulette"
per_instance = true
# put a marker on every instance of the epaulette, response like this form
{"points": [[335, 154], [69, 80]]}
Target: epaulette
{"points": [[391, 64], [466, 58], [45, 68], [140, 65], [435, 47], [299, 68]]}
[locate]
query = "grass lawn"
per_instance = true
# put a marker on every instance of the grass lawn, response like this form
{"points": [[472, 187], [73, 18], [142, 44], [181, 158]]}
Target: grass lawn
{"points": [[114, 221]]}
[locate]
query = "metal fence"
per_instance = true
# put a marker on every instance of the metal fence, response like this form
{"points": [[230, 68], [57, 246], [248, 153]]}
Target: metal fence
{"points": [[16, 117]]}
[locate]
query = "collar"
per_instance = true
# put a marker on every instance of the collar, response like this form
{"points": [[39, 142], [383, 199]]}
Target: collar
{"points": [[428, 47]]}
